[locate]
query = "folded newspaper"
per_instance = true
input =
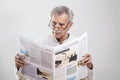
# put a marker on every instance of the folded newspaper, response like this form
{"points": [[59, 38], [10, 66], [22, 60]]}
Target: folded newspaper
{"points": [[62, 62]]}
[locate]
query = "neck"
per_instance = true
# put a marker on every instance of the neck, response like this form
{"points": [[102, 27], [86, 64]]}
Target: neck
{"points": [[62, 39]]}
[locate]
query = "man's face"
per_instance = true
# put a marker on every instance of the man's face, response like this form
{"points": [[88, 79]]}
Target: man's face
{"points": [[60, 25]]}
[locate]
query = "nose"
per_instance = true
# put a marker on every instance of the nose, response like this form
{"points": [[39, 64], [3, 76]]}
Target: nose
{"points": [[57, 25], [56, 28]]}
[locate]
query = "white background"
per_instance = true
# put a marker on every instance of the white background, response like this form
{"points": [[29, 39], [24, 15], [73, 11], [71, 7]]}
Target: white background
{"points": [[100, 18]]}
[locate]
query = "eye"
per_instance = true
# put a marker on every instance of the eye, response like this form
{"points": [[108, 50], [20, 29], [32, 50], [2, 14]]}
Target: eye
{"points": [[61, 24], [54, 23]]}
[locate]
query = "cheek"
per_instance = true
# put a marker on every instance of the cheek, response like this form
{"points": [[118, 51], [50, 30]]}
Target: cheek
{"points": [[64, 32]]}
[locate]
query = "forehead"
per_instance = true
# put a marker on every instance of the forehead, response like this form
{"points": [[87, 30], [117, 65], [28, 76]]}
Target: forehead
{"points": [[60, 18]]}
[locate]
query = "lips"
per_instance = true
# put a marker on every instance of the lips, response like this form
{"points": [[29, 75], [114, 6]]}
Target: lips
{"points": [[57, 32]]}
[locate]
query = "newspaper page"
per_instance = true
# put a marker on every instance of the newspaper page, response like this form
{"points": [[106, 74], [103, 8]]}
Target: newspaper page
{"points": [[68, 59], [62, 62], [39, 65]]}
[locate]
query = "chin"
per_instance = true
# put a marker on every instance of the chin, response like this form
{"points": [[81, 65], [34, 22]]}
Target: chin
{"points": [[57, 36]]}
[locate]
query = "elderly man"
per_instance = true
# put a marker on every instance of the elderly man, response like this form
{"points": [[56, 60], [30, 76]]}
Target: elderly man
{"points": [[60, 23]]}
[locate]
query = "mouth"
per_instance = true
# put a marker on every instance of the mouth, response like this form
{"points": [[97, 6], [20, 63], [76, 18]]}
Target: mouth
{"points": [[57, 32]]}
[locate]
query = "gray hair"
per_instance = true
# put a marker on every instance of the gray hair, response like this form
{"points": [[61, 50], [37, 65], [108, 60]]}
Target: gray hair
{"points": [[59, 10]]}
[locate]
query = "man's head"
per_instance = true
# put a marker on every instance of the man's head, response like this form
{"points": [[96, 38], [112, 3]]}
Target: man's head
{"points": [[61, 21]]}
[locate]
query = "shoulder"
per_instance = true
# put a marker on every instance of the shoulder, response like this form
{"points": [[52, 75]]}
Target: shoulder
{"points": [[41, 38], [46, 40], [71, 37]]}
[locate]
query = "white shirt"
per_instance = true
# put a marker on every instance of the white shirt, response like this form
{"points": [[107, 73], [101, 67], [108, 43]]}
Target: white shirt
{"points": [[51, 40]]}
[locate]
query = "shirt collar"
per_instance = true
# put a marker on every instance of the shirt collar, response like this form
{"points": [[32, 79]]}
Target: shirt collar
{"points": [[67, 39]]}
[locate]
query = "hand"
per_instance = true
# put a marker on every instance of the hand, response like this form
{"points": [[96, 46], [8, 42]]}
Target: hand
{"points": [[87, 60], [19, 62]]}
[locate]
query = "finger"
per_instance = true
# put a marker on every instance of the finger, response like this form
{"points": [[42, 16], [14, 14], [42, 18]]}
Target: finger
{"points": [[90, 61], [86, 55], [19, 64], [20, 61], [84, 62], [87, 62], [85, 58]]}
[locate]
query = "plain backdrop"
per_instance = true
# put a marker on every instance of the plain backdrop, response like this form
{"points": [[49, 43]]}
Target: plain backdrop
{"points": [[100, 18]]}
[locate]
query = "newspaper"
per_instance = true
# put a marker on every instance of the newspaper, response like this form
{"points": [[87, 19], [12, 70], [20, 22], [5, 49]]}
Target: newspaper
{"points": [[62, 62]]}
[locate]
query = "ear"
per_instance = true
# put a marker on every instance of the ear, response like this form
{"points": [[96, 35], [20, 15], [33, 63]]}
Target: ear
{"points": [[69, 25]]}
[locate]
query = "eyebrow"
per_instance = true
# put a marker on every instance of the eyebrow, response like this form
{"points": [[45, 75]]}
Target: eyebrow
{"points": [[58, 23], [61, 23]]}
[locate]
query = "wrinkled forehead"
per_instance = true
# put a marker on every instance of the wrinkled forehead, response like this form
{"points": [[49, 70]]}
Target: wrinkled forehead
{"points": [[63, 17]]}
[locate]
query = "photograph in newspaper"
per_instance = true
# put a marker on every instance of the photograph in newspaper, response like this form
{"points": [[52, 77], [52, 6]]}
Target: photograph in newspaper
{"points": [[64, 57], [71, 69], [44, 74], [36, 73], [73, 77]]}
